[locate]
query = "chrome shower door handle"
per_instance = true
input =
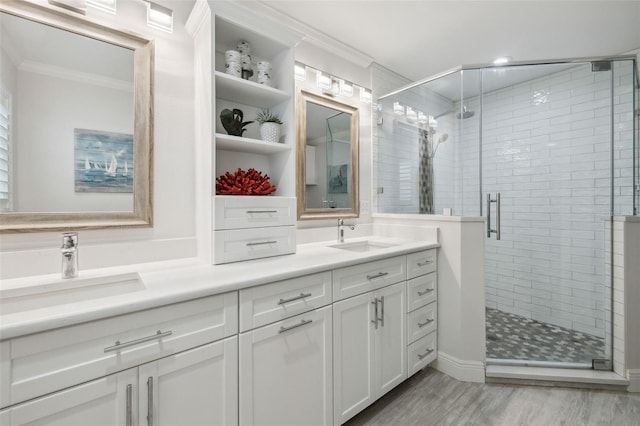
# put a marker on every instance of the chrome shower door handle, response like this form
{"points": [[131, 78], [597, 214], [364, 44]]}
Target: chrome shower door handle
{"points": [[497, 215], [497, 230], [488, 215]]}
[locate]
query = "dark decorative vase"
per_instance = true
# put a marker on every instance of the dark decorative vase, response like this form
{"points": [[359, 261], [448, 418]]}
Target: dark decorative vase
{"points": [[232, 121]]}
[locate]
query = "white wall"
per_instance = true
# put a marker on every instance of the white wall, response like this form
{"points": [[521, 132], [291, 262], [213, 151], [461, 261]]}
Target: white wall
{"points": [[173, 233]]}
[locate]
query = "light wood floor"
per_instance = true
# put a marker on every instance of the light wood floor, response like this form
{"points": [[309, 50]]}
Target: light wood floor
{"points": [[433, 398]]}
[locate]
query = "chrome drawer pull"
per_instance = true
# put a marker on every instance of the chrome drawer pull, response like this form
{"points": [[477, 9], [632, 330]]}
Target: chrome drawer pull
{"points": [[261, 243], [425, 263], [427, 291], [300, 324], [118, 345], [150, 401], [378, 275], [261, 211], [426, 354], [427, 322], [302, 296], [375, 314], [129, 414]]}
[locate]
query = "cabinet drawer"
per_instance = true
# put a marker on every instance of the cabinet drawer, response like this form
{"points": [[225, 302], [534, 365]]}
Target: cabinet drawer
{"points": [[358, 279], [422, 291], [422, 321], [245, 244], [56, 359], [422, 262], [421, 352], [268, 303], [236, 212]]}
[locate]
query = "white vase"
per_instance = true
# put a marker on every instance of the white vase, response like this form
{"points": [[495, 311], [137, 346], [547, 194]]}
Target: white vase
{"points": [[270, 132]]}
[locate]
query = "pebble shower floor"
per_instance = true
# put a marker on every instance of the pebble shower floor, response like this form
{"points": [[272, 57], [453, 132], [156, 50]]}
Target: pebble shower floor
{"points": [[511, 336]]}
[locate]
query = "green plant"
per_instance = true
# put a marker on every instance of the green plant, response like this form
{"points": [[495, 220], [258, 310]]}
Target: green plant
{"points": [[266, 116]]}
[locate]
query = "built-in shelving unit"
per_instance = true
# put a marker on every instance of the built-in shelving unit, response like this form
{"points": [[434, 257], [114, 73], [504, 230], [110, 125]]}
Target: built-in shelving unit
{"points": [[217, 27]]}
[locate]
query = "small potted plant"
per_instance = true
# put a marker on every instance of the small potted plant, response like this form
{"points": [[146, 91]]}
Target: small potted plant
{"points": [[269, 125]]}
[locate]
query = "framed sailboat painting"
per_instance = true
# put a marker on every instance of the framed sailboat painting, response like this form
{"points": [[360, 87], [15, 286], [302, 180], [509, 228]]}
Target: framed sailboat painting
{"points": [[103, 161]]}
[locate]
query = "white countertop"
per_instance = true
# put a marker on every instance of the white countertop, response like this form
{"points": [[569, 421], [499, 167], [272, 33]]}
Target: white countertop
{"points": [[172, 282]]}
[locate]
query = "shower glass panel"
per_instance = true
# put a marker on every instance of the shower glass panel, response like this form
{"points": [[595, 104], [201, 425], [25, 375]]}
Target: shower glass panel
{"points": [[546, 145], [427, 147]]}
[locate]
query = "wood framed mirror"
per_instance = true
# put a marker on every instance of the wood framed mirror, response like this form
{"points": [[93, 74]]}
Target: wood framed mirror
{"points": [[76, 114], [327, 158]]}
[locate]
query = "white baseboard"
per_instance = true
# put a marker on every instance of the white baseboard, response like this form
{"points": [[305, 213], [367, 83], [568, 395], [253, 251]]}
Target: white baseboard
{"points": [[460, 369], [634, 380]]}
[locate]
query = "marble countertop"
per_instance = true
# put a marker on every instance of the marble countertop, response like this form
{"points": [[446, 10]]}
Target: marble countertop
{"points": [[172, 282]]}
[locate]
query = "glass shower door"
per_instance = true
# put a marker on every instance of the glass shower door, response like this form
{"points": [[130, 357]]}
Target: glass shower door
{"points": [[546, 189]]}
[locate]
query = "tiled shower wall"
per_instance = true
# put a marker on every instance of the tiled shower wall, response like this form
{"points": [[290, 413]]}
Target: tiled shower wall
{"points": [[546, 149]]}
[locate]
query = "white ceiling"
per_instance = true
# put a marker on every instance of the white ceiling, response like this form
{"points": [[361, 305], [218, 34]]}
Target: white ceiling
{"points": [[418, 39]]}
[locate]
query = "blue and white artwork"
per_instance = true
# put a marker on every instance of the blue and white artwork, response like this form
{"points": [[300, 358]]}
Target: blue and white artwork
{"points": [[103, 161]]}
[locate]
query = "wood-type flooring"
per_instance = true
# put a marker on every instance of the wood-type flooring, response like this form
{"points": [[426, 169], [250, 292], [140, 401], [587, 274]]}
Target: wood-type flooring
{"points": [[433, 398]]}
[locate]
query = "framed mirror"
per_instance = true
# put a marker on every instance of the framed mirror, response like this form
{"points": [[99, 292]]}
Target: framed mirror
{"points": [[76, 122], [327, 158]]}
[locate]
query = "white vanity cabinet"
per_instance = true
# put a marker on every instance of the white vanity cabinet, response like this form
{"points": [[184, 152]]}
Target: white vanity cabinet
{"points": [[195, 387], [184, 346], [369, 348], [285, 367]]}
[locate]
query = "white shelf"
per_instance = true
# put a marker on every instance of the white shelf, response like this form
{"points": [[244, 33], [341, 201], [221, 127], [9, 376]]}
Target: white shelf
{"points": [[248, 92], [255, 146]]}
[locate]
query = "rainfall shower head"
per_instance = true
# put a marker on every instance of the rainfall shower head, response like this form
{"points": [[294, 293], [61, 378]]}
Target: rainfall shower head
{"points": [[465, 113]]}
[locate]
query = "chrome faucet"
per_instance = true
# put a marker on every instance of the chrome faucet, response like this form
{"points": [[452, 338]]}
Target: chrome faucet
{"points": [[341, 226], [69, 252]]}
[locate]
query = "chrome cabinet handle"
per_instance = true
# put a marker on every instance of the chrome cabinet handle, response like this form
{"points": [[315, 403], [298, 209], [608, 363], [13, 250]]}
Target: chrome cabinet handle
{"points": [[427, 322], [129, 414], [261, 243], [150, 401], [261, 211], [300, 324], [302, 296], [422, 293], [378, 275], [375, 313], [382, 311], [426, 354], [425, 263], [117, 346]]}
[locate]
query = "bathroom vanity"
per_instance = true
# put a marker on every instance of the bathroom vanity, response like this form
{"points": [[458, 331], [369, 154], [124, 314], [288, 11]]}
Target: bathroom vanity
{"points": [[310, 338]]}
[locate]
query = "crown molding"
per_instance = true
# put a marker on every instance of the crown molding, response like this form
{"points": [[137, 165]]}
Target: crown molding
{"points": [[315, 37]]}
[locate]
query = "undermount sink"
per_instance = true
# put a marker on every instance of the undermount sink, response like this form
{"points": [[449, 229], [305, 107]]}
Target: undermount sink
{"points": [[362, 246], [63, 291]]}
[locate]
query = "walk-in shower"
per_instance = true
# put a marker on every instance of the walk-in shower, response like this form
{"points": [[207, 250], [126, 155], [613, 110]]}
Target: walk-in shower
{"points": [[547, 152]]}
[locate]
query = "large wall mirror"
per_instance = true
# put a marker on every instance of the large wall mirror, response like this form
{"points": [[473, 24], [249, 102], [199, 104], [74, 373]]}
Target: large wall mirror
{"points": [[76, 122], [327, 162]]}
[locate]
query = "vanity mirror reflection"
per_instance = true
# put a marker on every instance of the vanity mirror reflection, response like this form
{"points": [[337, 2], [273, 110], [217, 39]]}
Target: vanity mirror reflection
{"points": [[327, 157], [76, 122]]}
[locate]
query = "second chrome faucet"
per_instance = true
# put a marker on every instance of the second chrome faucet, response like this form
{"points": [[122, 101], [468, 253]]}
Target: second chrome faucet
{"points": [[341, 226]]}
